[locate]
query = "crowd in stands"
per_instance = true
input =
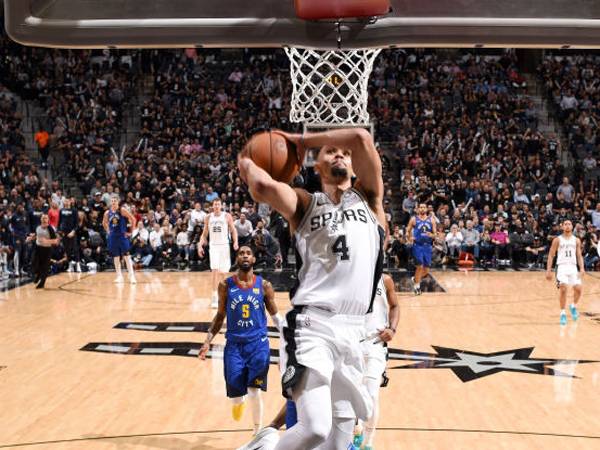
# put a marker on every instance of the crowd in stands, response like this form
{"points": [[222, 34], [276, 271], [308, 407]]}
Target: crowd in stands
{"points": [[467, 145], [463, 136]]}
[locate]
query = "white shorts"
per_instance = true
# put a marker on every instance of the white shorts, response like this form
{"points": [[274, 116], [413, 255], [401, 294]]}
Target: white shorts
{"points": [[220, 258], [329, 344], [375, 359], [568, 275]]}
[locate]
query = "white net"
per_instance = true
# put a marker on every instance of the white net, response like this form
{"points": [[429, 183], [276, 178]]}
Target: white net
{"points": [[330, 86]]}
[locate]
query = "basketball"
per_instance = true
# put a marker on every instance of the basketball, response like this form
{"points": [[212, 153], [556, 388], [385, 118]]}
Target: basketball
{"points": [[272, 152]]}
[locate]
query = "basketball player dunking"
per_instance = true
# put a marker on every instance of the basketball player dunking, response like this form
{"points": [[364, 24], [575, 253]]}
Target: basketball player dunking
{"points": [[115, 223], [421, 231], [242, 300], [569, 258], [217, 226], [339, 243], [381, 325]]}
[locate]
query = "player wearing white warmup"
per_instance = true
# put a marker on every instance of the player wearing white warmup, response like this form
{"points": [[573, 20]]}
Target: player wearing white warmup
{"points": [[381, 327], [218, 225], [567, 247], [339, 242]]}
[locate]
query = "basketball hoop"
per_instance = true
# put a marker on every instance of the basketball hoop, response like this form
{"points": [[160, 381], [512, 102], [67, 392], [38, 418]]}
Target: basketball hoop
{"points": [[330, 86]]}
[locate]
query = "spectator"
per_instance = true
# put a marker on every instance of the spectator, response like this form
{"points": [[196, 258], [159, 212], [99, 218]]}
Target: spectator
{"points": [[156, 240], [471, 239], [535, 253], [42, 139], [454, 240], [141, 233], [567, 190], [244, 229], [500, 241]]}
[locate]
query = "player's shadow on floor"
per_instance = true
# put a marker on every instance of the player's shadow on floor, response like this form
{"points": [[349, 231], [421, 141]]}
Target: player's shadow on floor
{"points": [[196, 442]]}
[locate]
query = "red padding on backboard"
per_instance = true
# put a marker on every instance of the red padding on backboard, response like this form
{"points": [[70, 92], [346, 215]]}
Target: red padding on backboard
{"points": [[340, 9]]}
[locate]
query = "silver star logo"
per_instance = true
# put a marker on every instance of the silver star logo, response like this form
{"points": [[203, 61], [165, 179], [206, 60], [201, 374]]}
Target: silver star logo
{"points": [[469, 366]]}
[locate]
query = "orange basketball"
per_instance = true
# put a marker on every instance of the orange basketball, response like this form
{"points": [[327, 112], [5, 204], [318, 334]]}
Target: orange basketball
{"points": [[272, 152]]}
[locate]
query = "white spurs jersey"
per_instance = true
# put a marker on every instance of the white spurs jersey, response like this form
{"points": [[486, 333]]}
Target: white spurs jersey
{"points": [[339, 252], [218, 229], [567, 251], [377, 319]]}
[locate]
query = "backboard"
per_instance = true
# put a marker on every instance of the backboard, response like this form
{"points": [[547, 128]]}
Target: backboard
{"points": [[273, 23]]}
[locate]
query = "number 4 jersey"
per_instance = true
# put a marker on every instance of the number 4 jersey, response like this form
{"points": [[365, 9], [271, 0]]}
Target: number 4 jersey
{"points": [[339, 255]]}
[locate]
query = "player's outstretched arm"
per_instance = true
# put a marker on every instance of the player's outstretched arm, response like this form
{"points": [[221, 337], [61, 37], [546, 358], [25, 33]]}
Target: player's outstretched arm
{"points": [[129, 218], [105, 221], [232, 231], [551, 254], [580, 257], [289, 202], [271, 305], [202, 241], [388, 333], [217, 322], [409, 230]]}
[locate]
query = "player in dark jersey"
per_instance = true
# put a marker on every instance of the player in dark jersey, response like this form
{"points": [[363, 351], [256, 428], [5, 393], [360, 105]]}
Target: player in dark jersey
{"points": [[243, 298], [421, 232], [115, 223]]}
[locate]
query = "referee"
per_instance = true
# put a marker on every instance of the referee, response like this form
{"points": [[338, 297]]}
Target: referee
{"points": [[45, 238]]}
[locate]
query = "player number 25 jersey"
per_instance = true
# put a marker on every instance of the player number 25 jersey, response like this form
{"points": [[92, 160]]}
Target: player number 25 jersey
{"points": [[218, 230], [339, 255]]}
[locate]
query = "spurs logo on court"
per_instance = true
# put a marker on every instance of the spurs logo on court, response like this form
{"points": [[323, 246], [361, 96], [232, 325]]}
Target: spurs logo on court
{"points": [[466, 365]]}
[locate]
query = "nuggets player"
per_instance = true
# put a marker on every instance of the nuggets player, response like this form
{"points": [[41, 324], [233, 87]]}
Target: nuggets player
{"points": [[115, 224], [381, 326], [568, 248], [243, 298], [420, 232], [339, 243], [217, 226]]}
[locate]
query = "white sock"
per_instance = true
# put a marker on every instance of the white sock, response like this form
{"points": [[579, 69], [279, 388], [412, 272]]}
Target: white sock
{"points": [[117, 261], [573, 305], [562, 311], [129, 266], [256, 404], [238, 400]]}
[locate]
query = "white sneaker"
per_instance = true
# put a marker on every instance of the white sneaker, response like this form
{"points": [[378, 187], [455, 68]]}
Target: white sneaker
{"points": [[119, 279], [265, 439], [70, 269], [132, 279], [78, 268]]}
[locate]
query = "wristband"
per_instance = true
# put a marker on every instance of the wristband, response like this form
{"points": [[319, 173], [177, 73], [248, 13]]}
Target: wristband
{"points": [[277, 320]]}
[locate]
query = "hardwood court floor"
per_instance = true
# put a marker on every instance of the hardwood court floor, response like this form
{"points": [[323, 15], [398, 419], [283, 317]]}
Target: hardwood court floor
{"points": [[142, 396]]}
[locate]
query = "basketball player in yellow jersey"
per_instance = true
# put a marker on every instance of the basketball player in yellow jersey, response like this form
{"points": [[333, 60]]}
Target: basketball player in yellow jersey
{"points": [[569, 257], [218, 226], [339, 241]]}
